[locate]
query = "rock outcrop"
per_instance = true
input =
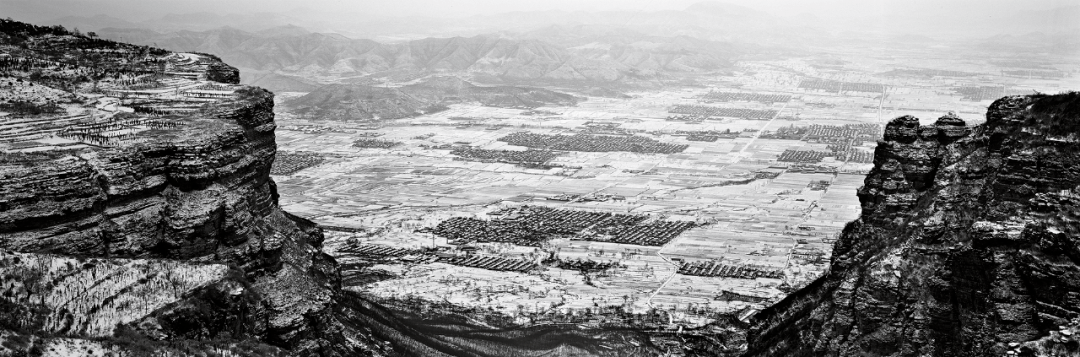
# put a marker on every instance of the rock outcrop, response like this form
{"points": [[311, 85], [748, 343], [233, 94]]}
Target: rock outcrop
{"points": [[101, 240], [967, 244], [220, 72]]}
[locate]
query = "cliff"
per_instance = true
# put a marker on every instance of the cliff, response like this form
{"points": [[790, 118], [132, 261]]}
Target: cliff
{"points": [[138, 232], [967, 245]]}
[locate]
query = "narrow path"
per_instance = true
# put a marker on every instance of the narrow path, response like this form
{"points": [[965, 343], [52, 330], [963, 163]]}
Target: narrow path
{"points": [[673, 273], [758, 134], [662, 285], [881, 103]]}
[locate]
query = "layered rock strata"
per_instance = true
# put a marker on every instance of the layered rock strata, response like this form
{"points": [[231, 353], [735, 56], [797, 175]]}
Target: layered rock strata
{"points": [[96, 242], [967, 244]]}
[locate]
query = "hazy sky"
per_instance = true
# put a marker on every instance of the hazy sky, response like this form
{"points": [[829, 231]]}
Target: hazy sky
{"points": [[143, 9], [947, 18]]}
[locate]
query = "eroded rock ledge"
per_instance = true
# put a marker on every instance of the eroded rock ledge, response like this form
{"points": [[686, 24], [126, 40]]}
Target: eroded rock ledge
{"points": [[967, 244], [172, 235]]}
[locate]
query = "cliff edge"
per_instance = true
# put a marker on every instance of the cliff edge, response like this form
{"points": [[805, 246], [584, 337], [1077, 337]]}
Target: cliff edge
{"points": [[137, 214], [967, 244]]}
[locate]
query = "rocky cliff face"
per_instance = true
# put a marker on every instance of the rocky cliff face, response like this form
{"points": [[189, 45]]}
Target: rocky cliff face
{"points": [[220, 72], [201, 195], [173, 235], [189, 194], [967, 244]]}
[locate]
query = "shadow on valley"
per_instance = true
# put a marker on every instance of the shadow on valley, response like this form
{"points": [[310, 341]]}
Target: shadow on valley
{"points": [[419, 334]]}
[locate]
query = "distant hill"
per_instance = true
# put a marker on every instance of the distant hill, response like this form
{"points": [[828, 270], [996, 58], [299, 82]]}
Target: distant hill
{"points": [[710, 20], [723, 9], [201, 21], [344, 101], [1062, 43], [447, 89], [365, 102], [604, 93], [279, 82], [706, 20], [284, 30], [640, 51], [292, 50], [93, 23]]}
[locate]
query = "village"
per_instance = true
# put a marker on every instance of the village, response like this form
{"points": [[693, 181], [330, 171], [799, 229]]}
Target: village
{"points": [[702, 202], [695, 202]]}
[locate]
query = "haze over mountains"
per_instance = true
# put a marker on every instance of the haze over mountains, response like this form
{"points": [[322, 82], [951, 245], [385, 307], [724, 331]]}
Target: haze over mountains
{"points": [[491, 178], [707, 20], [276, 58], [780, 22], [301, 49]]}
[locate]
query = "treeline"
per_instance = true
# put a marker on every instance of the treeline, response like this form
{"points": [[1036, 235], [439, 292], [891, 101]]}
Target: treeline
{"points": [[15, 28], [19, 31], [26, 107]]}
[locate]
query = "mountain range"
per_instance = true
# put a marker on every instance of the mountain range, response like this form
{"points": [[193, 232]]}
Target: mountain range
{"points": [[707, 20], [292, 58], [710, 20]]}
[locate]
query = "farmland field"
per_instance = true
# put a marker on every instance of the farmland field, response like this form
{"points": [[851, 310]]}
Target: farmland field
{"points": [[762, 198]]}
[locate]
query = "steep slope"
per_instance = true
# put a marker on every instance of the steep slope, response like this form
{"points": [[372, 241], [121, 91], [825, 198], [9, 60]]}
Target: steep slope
{"points": [[967, 244], [201, 194], [151, 230]]}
